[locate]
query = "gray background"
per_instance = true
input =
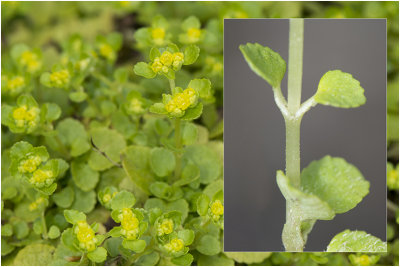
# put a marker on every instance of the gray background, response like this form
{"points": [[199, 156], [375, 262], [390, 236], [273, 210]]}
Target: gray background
{"points": [[254, 134]]}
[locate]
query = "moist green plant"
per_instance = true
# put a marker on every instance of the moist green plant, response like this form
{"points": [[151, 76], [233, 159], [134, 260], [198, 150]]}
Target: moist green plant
{"points": [[114, 144], [328, 186]]}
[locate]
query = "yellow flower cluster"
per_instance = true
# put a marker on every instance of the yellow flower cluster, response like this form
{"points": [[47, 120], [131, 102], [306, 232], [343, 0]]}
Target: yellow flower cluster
{"points": [[363, 260], [107, 51], [217, 209], [30, 164], [24, 116], [30, 61], [108, 197], [135, 105], [175, 245], [166, 227], [129, 223], [393, 177], [85, 235], [194, 34], [59, 78], [15, 83], [181, 101], [158, 35], [167, 61], [41, 178], [34, 205]]}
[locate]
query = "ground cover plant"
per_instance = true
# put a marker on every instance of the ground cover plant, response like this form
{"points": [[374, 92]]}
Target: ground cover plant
{"points": [[112, 132]]}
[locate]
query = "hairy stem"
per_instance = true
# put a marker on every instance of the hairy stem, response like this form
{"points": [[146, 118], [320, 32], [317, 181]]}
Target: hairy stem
{"points": [[44, 226], [171, 84], [291, 235], [295, 71], [178, 145]]}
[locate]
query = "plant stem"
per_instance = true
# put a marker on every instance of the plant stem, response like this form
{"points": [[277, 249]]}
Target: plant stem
{"points": [[171, 84], [295, 72], [44, 226], [291, 235], [83, 258], [178, 146]]}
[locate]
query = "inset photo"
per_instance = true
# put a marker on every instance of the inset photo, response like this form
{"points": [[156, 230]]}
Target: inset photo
{"points": [[305, 135]]}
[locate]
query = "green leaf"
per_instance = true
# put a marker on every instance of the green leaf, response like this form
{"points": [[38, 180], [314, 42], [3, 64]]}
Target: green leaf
{"points": [[123, 199], [6, 248], [84, 177], [6, 230], [137, 246], [54, 232], [189, 134], [193, 113], [201, 86], [34, 255], [160, 189], [339, 89], [162, 161], [68, 238], [136, 164], [21, 229], [154, 53], [191, 22], [202, 204], [84, 201], [206, 160], [64, 198], [184, 260], [248, 257], [98, 255], [50, 112], [74, 216], [209, 245], [111, 143], [187, 236], [144, 69], [336, 182], [191, 53], [78, 97], [73, 134], [310, 206], [266, 63], [356, 241], [150, 259], [215, 260], [112, 245], [158, 108]]}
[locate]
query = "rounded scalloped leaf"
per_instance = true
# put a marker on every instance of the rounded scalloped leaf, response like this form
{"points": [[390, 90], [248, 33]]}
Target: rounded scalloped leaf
{"points": [[209, 245], [162, 161], [339, 89], [311, 206], [356, 241], [248, 257], [336, 182], [111, 143], [84, 177], [34, 254], [265, 62]]}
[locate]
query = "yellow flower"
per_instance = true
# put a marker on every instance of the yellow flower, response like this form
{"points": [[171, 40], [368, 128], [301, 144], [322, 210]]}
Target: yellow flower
{"points": [[34, 205], [106, 198], [175, 245], [136, 105], [30, 60], [22, 116], [158, 35], [166, 227], [217, 209], [166, 58], [393, 178], [177, 59], [85, 235], [156, 66], [16, 83], [363, 260], [191, 95], [107, 51], [129, 223], [41, 178], [194, 34], [60, 78], [30, 164]]}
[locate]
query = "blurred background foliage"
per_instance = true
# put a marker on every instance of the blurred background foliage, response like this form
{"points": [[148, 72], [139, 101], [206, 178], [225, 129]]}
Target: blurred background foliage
{"points": [[46, 25]]}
